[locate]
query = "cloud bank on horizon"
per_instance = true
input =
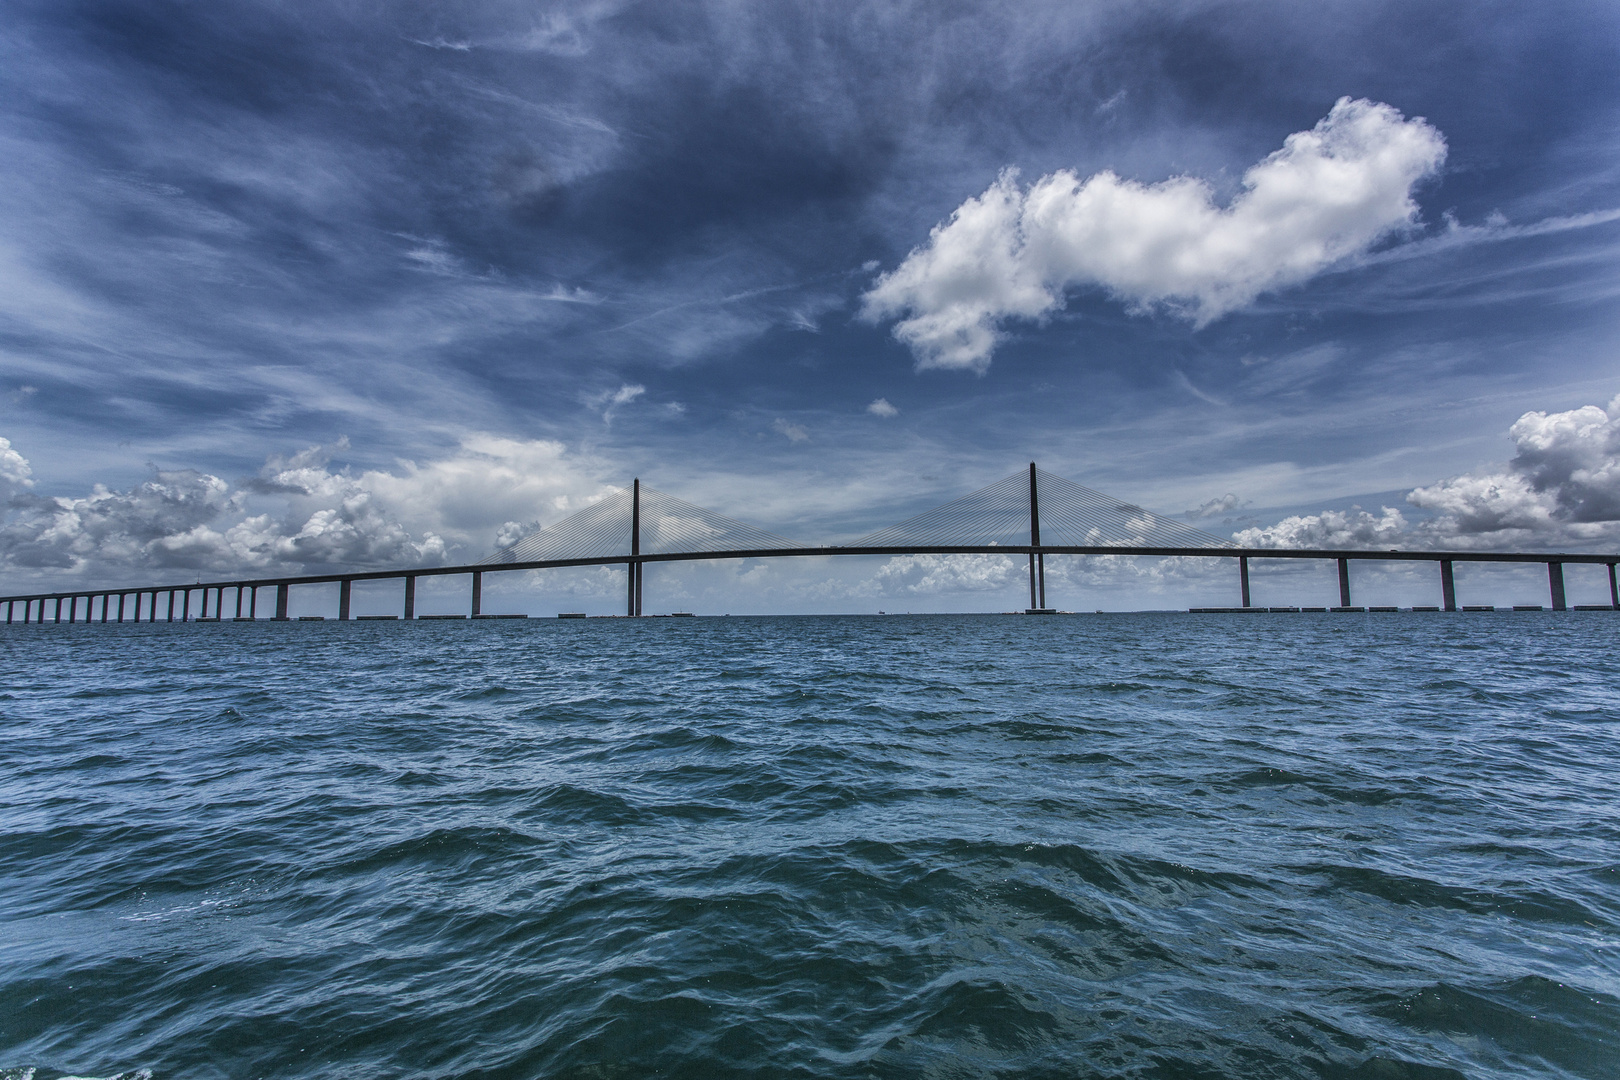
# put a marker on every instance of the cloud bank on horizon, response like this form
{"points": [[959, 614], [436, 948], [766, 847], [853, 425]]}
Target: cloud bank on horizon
{"points": [[1560, 490], [1328, 194]]}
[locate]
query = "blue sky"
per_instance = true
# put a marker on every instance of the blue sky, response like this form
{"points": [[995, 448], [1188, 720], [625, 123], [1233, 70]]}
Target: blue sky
{"points": [[295, 286]]}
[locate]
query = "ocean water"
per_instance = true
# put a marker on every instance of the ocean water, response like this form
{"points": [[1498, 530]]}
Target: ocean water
{"points": [[1368, 846]]}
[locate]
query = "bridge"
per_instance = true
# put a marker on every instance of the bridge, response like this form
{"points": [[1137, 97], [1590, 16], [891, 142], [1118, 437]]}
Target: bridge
{"points": [[638, 525]]}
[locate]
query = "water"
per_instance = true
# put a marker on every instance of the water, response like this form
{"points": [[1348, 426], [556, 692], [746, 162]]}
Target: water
{"points": [[1369, 846]]}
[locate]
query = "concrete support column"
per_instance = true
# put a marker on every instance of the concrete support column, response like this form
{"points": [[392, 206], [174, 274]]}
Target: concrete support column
{"points": [[106, 599], [1614, 588], [410, 596], [281, 602], [73, 610], [9, 605], [1448, 586], [477, 593], [1555, 579], [345, 587], [1344, 582], [120, 607], [171, 605], [633, 598], [58, 609], [641, 568], [239, 601], [185, 605], [1040, 569], [253, 602], [1243, 578]]}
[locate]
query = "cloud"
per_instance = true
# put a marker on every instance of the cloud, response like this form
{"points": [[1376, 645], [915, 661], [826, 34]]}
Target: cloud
{"points": [[1353, 528], [1226, 504], [881, 407], [1560, 490], [793, 432], [1562, 485], [610, 401], [920, 575], [158, 523], [300, 513], [1328, 194], [15, 472]]}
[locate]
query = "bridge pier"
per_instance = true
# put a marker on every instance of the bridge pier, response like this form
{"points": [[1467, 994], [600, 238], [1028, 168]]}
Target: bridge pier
{"points": [[185, 605], [120, 607], [1344, 582], [1037, 559], [632, 603], [1448, 586], [1243, 578], [253, 602], [477, 593], [1555, 580], [281, 601], [239, 601], [106, 599], [410, 597], [1614, 588], [58, 609], [345, 588]]}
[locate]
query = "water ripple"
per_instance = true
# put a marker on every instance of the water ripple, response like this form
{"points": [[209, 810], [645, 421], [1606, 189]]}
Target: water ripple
{"points": [[1079, 847]]}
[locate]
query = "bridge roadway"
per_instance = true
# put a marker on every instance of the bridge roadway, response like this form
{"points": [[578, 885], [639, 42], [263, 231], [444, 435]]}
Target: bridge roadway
{"points": [[31, 613]]}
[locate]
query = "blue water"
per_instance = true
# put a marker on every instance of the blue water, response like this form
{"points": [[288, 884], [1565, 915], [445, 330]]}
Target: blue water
{"points": [[1369, 846]]}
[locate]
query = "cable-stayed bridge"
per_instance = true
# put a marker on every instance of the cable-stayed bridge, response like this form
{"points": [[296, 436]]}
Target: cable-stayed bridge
{"points": [[1031, 514]]}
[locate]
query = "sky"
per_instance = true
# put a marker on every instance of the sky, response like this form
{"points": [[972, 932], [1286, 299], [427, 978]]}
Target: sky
{"points": [[292, 288]]}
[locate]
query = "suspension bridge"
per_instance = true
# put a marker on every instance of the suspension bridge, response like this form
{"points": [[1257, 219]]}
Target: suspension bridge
{"points": [[1030, 515]]}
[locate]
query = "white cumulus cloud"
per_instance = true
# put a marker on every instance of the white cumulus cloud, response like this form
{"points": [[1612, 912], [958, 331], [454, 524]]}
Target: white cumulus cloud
{"points": [[1560, 490], [1353, 528], [300, 513], [15, 472], [1328, 194], [1562, 485], [881, 407]]}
